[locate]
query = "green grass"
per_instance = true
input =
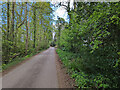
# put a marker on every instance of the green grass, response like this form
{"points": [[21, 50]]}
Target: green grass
{"points": [[18, 60]]}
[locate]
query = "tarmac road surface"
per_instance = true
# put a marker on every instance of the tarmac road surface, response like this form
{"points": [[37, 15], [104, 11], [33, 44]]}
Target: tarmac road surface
{"points": [[38, 72]]}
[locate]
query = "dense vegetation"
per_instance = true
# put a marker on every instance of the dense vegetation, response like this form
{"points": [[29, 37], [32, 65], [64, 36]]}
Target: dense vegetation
{"points": [[26, 29], [90, 43]]}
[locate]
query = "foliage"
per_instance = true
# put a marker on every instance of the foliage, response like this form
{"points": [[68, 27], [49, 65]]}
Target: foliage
{"points": [[18, 60], [83, 79], [26, 28], [93, 35]]}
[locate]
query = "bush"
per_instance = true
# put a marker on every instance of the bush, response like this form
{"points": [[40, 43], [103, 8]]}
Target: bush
{"points": [[89, 74]]}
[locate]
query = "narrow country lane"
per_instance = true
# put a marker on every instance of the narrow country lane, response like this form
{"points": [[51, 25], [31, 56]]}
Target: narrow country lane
{"points": [[38, 72]]}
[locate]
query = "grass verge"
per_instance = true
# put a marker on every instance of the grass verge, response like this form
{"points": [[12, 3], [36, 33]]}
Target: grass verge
{"points": [[18, 60]]}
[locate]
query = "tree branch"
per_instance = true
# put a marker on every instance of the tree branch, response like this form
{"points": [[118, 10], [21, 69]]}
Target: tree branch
{"points": [[21, 24]]}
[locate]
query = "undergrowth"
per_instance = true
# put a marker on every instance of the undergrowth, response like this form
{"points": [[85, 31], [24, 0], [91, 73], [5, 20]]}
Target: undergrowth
{"points": [[18, 60], [85, 78]]}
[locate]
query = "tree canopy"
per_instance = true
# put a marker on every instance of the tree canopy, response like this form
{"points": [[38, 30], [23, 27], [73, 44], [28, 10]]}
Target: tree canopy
{"points": [[93, 34], [26, 28]]}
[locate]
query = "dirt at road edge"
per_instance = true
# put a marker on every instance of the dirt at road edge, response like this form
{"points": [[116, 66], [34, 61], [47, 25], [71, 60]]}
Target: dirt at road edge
{"points": [[64, 79]]}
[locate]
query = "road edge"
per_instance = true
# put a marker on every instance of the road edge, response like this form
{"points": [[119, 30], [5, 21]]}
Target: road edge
{"points": [[64, 79], [18, 64]]}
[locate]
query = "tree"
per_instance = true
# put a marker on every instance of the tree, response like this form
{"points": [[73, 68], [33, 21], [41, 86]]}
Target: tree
{"points": [[12, 27], [26, 30], [92, 34], [21, 30]]}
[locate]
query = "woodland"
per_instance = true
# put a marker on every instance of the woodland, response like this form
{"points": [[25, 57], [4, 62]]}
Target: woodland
{"points": [[88, 45], [26, 28]]}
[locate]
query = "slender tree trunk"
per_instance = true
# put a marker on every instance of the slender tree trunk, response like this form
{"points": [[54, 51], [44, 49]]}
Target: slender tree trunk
{"points": [[8, 20], [26, 31], [40, 37], [74, 5], [68, 10], [34, 11], [41, 32], [59, 36], [12, 28], [44, 37], [8, 26]]}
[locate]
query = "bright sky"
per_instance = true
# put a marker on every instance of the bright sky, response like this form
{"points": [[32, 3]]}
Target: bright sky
{"points": [[61, 11]]}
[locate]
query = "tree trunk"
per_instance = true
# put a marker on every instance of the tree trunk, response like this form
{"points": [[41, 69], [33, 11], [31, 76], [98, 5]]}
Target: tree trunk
{"points": [[26, 30], [68, 10], [34, 11], [8, 20], [12, 28], [59, 31], [8, 26]]}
